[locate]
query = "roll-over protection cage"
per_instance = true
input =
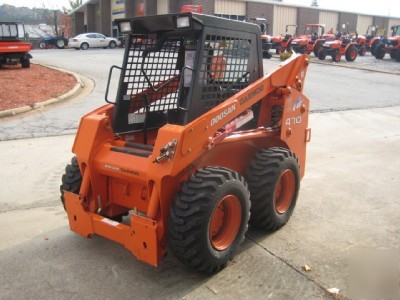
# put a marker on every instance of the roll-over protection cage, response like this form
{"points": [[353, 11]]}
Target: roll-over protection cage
{"points": [[178, 66]]}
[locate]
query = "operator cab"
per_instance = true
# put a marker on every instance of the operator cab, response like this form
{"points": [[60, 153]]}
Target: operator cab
{"points": [[177, 67]]}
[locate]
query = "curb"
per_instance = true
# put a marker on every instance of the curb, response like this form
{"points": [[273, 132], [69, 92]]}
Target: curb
{"points": [[354, 67], [69, 94], [316, 61]]}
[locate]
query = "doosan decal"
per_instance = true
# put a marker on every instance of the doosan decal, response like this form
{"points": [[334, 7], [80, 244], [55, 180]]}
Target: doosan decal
{"points": [[223, 114]]}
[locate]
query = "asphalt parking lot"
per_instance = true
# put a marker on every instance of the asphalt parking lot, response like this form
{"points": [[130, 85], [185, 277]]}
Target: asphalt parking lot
{"points": [[345, 224]]}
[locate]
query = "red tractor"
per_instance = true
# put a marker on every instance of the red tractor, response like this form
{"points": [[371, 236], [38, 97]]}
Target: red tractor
{"points": [[337, 48], [360, 41], [192, 8], [281, 42], [265, 39], [391, 46], [13, 49], [373, 38], [312, 39]]}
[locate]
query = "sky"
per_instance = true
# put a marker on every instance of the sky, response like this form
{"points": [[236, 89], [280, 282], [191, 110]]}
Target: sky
{"points": [[373, 7], [51, 4]]}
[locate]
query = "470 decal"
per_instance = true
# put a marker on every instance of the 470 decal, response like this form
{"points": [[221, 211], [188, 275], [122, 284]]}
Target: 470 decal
{"points": [[293, 121]]}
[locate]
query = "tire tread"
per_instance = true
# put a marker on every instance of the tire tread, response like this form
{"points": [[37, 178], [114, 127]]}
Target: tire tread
{"points": [[189, 212]]}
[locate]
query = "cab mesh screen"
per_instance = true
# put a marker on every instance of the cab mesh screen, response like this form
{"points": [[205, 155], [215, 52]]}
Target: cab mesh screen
{"points": [[224, 70], [152, 80]]}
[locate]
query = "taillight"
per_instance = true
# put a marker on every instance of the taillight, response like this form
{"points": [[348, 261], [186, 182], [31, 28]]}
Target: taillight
{"points": [[74, 40]]}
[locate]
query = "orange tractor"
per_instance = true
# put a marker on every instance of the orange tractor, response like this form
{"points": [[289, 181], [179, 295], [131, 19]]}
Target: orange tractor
{"points": [[265, 39], [13, 48], [373, 38], [192, 8], [360, 43], [337, 48], [391, 45], [312, 39], [281, 43], [197, 144]]}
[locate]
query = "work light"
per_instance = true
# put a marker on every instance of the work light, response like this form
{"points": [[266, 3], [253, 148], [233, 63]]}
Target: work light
{"points": [[125, 27], [183, 22]]}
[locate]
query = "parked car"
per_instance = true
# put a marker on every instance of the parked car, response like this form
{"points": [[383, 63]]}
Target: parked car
{"points": [[93, 40]]}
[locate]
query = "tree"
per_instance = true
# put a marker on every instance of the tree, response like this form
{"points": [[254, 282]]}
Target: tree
{"points": [[65, 21], [314, 3], [75, 3]]}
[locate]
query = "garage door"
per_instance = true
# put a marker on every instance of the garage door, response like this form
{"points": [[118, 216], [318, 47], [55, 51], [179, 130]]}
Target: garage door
{"points": [[283, 16], [330, 19], [229, 7], [363, 22], [162, 7]]}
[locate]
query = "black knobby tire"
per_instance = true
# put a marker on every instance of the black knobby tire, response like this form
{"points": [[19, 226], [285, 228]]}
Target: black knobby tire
{"points": [[60, 43], [274, 182], [303, 50], [373, 47], [321, 55], [393, 54], [379, 51], [72, 179], [362, 51], [317, 48], [351, 53], [267, 54], [398, 55], [336, 56], [25, 63], [195, 237]]}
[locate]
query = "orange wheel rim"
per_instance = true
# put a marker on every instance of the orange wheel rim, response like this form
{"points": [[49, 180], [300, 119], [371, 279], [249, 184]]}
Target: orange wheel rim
{"points": [[353, 54], [225, 222], [284, 191]]}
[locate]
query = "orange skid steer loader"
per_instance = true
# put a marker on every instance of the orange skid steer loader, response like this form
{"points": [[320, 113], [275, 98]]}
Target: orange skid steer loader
{"points": [[198, 143]]}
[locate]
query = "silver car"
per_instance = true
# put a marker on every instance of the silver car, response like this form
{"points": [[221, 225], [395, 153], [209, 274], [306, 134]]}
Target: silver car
{"points": [[93, 40]]}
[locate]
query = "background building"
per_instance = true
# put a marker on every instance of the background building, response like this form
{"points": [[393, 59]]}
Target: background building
{"points": [[99, 15]]}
